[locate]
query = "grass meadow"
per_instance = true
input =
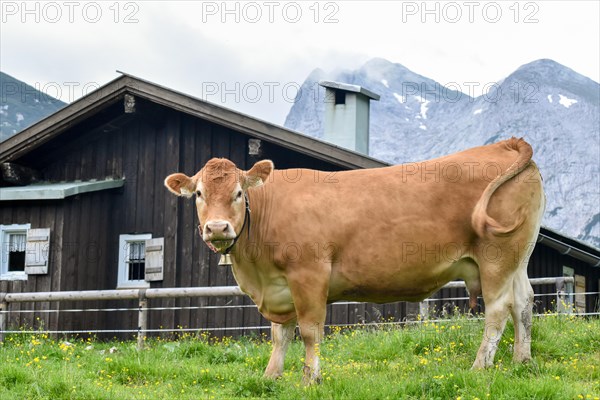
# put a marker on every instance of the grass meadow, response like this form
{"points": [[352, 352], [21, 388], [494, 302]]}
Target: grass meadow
{"points": [[430, 360]]}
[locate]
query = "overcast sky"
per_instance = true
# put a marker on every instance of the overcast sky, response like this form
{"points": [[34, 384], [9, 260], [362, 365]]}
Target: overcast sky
{"points": [[228, 52]]}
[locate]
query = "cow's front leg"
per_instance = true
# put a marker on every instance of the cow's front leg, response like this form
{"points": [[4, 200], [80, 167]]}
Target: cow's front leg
{"points": [[312, 332], [281, 335], [309, 287]]}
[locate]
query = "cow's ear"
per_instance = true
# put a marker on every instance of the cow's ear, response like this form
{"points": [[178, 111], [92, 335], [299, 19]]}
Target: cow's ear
{"points": [[258, 174], [181, 184]]}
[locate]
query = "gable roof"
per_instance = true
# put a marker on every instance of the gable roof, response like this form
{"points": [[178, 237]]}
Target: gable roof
{"points": [[52, 126]]}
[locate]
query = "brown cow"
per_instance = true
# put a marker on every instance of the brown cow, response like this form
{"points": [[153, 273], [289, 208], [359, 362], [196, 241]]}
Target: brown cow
{"points": [[376, 235]]}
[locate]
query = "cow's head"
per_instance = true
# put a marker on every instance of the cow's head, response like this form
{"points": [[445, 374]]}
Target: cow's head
{"points": [[220, 189]]}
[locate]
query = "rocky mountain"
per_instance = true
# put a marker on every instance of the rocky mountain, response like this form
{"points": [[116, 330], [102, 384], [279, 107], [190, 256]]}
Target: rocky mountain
{"points": [[553, 107], [22, 105]]}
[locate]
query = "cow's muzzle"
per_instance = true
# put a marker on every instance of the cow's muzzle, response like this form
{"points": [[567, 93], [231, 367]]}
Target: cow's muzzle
{"points": [[218, 235]]}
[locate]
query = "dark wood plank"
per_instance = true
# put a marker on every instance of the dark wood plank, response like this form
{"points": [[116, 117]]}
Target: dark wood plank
{"points": [[253, 318], [6, 218], [188, 217], [88, 160], [100, 152], [145, 190], [57, 257], [120, 206], [172, 210], [75, 276], [339, 314], [145, 181], [44, 282], [356, 313], [131, 170], [94, 207], [68, 271], [158, 209], [196, 242], [28, 319], [203, 263], [131, 193], [114, 160]]}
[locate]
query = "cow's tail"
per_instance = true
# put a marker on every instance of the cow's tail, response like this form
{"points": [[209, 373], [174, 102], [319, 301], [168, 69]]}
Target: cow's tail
{"points": [[481, 221]]}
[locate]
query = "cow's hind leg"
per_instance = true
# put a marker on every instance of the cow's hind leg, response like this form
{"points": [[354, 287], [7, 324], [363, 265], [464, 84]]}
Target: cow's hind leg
{"points": [[496, 314], [502, 296], [497, 287], [522, 312], [281, 336]]}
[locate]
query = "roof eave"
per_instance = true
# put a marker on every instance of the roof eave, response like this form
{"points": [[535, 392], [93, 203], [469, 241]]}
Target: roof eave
{"points": [[254, 127], [574, 243]]}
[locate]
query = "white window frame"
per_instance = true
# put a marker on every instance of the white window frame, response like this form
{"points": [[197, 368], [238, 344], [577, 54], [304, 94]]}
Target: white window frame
{"points": [[6, 230], [123, 281]]}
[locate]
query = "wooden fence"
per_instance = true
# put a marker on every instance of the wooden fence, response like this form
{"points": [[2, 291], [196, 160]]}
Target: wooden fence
{"points": [[142, 295]]}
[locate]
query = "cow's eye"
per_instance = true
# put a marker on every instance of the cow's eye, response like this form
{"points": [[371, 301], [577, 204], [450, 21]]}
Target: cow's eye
{"points": [[239, 195], [198, 193]]}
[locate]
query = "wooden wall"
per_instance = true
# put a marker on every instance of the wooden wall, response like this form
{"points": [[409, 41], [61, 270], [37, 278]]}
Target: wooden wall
{"points": [[50, 214]]}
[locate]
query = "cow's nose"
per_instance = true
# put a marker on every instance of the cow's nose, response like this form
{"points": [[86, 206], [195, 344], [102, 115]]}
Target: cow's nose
{"points": [[217, 228]]}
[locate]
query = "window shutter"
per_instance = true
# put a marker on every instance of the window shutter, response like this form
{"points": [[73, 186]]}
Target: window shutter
{"points": [[154, 259], [37, 251]]}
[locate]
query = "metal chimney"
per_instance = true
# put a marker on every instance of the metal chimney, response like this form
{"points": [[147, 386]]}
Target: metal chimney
{"points": [[347, 115]]}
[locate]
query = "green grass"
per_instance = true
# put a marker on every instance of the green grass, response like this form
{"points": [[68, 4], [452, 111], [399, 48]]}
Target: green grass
{"points": [[428, 361]]}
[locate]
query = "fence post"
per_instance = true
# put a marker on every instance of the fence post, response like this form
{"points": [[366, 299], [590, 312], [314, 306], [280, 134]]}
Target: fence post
{"points": [[142, 319], [424, 309], [564, 295], [570, 295], [560, 295], [3, 315]]}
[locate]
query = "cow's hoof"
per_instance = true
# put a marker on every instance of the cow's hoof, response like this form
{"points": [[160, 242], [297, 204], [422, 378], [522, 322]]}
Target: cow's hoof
{"points": [[477, 366], [522, 359], [272, 375], [310, 377]]}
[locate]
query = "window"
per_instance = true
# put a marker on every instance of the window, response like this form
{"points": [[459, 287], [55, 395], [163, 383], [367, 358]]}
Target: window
{"points": [[340, 97], [12, 259], [132, 261], [16, 251], [136, 260]]}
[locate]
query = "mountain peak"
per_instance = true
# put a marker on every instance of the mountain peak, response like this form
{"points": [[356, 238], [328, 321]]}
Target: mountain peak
{"points": [[542, 63], [316, 74], [553, 75], [545, 68], [380, 63]]}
